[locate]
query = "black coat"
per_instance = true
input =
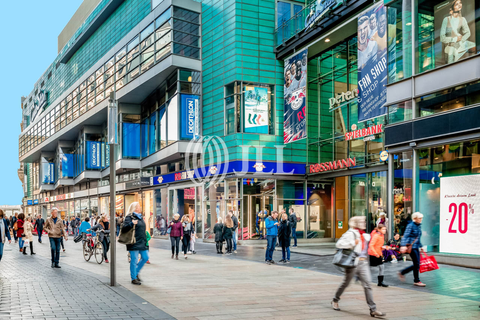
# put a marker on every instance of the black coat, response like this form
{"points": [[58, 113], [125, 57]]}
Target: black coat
{"points": [[293, 220], [39, 224], [227, 232], [218, 230], [140, 234], [284, 231]]}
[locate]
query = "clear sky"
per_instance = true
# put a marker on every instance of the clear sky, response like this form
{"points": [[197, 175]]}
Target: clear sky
{"points": [[29, 31]]}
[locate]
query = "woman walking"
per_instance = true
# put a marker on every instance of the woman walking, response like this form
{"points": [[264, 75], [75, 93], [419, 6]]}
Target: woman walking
{"points": [[187, 231], [4, 232], [28, 227], [357, 240], [104, 228], [284, 238], [135, 219], [176, 234], [412, 238], [218, 230], [228, 233], [376, 254], [20, 230]]}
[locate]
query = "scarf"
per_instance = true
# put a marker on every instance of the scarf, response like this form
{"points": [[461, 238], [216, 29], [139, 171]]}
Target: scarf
{"points": [[361, 237], [138, 215]]}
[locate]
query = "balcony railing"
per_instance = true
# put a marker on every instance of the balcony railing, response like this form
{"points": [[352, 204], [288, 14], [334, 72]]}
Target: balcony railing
{"points": [[306, 18]]}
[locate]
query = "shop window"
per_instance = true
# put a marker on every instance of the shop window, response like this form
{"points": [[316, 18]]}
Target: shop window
{"points": [[402, 190], [130, 137], [285, 11], [399, 40], [399, 112], [446, 32]]}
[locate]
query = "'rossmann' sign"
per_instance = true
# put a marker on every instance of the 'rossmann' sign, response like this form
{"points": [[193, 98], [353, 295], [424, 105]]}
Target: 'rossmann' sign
{"points": [[332, 165]]}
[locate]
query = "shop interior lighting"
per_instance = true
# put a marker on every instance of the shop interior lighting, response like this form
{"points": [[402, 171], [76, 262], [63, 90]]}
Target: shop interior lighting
{"points": [[327, 40]]}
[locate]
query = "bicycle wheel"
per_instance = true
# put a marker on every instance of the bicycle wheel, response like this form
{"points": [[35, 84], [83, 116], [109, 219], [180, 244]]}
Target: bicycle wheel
{"points": [[87, 251], [99, 253]]}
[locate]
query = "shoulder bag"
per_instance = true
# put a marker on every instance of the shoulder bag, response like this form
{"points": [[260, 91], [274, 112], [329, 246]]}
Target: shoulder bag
{"points": [[409, 246], [345, 258], [127, 237]]}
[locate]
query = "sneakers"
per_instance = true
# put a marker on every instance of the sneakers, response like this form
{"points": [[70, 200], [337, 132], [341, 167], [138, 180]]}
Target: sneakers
{"points": [[281, 261], [335, 306], [272, 262], [394, 261], [377, 313], [419, 284], [136, 282], [287, 261], [194, 252], [57, 266], [294, 246], [189, 252], [148, 261], [234, 251], [106, 260]]}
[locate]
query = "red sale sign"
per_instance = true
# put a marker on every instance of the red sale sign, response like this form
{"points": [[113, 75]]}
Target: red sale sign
{"points": [[460, 214]]}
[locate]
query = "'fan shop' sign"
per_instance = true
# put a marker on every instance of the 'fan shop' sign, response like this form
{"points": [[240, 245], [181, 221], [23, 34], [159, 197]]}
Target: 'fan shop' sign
{"points": [[332, 165], [365, 132]]}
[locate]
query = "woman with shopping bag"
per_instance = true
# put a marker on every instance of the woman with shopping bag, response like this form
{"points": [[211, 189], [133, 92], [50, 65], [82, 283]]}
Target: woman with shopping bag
{"points": [[412, 244]]}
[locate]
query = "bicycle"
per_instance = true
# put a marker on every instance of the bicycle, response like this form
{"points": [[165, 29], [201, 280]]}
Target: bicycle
{"points": [[93, 246]]}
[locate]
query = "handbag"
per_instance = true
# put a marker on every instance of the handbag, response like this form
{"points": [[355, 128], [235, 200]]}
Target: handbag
{"points": [[345, 258], [410, 246], [78, 238], [427, 263], [15, 228], [169, 230], [127, 237]]}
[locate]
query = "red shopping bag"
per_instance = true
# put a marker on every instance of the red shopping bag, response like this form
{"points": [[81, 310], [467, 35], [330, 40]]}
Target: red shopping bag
{"points": [[427, 263]]}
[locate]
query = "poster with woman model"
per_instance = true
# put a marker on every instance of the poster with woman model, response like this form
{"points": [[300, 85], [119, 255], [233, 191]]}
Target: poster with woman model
{"points": [[454, 31]]}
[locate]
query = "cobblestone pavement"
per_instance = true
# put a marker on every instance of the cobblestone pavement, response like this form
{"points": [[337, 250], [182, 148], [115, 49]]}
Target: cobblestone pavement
{"points": [[31, 289], [210, 286]]}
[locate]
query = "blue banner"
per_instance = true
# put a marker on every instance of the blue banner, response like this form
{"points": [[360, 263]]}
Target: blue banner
{"points": [[372, 63], [48, 169], [35, 201], [29, 202], [93, 155], [295, 96], [67, 165], [189, 116]]}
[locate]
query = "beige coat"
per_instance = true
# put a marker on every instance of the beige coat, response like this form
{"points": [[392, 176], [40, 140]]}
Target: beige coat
{"points": [[27, 230], [55, 230]]}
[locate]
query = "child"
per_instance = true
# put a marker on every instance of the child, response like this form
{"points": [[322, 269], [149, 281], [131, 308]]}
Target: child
{"points": [[218, 230], [284, 231], [375, 252], [392, 250]]}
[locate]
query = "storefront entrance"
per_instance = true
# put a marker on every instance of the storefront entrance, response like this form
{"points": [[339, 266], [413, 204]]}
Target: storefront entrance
{"points": [[256, 210]]}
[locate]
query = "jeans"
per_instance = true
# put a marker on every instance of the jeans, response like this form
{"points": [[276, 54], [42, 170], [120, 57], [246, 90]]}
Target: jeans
{"points": [[118, 230], [1, 250], [175, 241], [270, 247], [185, 243], [294, 235], [287, 250], [20, 242], [39, 235], [15, 235], [219, 246], [235, 238], [135, 265], [55, 249], [229, 245], [415, 255], [106, 246], [362, 271]]}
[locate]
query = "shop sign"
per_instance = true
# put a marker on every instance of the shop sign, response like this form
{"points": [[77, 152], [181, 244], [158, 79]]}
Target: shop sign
{"points": [[459, 225], [342, 97], [29, 202], [256, 109], [46, 199], [360, 133], [332, 165], [259, 166], [384, 155], [340, 224], [60, 197], [184, 175], [190, 122], [142, 182], [35, 201], [93, 155], [319, 9]]}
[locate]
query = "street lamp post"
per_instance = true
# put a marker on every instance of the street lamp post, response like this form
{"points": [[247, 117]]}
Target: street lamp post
{"points": [[112, 141]]}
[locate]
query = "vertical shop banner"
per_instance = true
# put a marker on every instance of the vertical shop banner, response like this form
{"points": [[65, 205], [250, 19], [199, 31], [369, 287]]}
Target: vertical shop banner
{"points": [[460, 214], [372, 63], [189, 123], [454, 31], [256, 109], [93, 155], [295, 96]]}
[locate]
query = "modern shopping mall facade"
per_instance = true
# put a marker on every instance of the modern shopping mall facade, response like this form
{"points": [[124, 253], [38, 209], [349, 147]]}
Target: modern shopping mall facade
{"points": [[202, 90]]}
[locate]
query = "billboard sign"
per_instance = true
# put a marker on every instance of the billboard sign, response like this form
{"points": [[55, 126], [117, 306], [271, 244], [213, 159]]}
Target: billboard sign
{"points": [[372, 63], [295, 98], [256, 109], [190, 122], [93, 155]]}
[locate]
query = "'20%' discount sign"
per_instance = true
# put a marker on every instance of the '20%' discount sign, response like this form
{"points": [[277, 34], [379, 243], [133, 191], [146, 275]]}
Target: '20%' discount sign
{"points": [[460, 214]]}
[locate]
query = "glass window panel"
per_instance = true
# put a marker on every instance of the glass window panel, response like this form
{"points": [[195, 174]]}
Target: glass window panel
{"points": [[148, 64], [284, 12], [121, 68], [147, 42], [185, 26], [132, 64], [186, 38], [110, 81], [400, 112], [108, 90], [133, 44], [162, 115], [147, 31], [147, 53], [167, 38], [99, 72], [120, 84], [187, 51], [100, 97], [162, 18], [163, 30], [186, 15], [132, 75], [133, 53], [121, 54], [163, 52], [110, 63]]}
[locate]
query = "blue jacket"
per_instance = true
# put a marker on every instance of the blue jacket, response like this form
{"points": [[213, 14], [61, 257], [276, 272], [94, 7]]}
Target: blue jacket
{"points": [[7, 232], [272, 229], [84, 227], [413, 231]]}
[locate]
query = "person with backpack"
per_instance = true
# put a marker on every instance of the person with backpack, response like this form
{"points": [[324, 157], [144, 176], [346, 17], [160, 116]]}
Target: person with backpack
{"points": [[357, 240], [293, 224], [13, 226], [134, 219], [4, 232], [218, 231], [235, 229], [284, 238], [39, 223]]}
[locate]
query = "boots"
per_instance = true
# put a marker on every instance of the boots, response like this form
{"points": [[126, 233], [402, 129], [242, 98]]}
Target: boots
{"points": [[176, 257], [381, 283], [24, 251], [377, 313], [31, 249]]}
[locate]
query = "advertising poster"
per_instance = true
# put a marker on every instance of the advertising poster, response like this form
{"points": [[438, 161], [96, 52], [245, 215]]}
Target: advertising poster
{"points": [[459, 214], [295, 96], [189, 123], [454, 31], [256, 109], [372, 63]]}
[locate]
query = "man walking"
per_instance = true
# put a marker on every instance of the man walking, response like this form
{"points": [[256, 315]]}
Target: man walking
{"points": [[55, 229], [39, 223], [271, 225], [293, 223], [235, 228], [12, 226]]}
